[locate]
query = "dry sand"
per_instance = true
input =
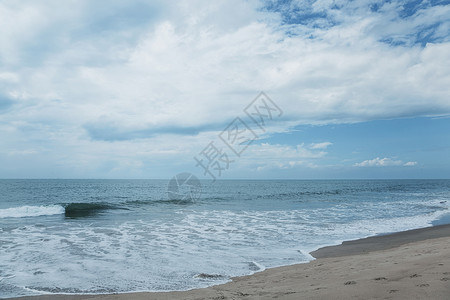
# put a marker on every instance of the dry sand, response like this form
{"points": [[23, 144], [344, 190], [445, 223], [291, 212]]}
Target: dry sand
{"points": [[406, 265]]}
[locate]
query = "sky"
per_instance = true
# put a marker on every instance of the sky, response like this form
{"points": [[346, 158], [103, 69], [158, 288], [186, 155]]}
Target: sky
{"points": [[149, 89]]}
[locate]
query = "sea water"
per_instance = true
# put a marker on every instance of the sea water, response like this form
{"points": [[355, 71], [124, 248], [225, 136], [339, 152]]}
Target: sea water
{"points": [[108, 236]]}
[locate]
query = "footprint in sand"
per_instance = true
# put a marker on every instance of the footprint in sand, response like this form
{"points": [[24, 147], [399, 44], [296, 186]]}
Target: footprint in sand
{"points": [[380, 278], [393, 291], [350, 282], [415, 275]]}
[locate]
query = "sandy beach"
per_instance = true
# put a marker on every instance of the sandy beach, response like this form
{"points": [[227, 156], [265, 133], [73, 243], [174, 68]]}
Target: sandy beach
{"points": [[406, 265]]}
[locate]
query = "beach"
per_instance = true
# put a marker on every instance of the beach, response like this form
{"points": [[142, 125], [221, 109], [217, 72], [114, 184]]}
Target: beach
{"points": [[413, 264], [256, 149]]}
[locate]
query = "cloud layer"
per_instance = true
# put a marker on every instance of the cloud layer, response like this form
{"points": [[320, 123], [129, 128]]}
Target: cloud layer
{"points": [[81, 78], [384, 162]]}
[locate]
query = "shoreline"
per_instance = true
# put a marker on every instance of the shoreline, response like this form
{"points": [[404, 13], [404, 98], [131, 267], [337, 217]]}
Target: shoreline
{"points": [[407, 264], [382, 242]]}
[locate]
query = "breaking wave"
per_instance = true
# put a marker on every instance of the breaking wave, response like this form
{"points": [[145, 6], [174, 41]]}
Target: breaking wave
{"points": [[31, 211], [78, 210]]}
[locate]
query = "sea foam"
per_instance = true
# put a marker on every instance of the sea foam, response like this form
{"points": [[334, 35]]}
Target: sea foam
{"points": [[31, 211]]}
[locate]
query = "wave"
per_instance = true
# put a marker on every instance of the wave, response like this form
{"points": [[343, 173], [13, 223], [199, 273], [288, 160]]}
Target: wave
{"points": [[70, 210], [174, 201], [31, 211], [79, 210]]}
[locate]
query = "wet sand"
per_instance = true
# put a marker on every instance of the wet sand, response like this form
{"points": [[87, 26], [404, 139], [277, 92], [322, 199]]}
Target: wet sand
{"points": [[413, 264]]}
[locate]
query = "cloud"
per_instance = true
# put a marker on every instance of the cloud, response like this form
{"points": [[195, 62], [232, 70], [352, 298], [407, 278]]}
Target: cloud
{"points": [[9, 77], [322, 145], [391, 22], [5, 102], [110, 75], [23, 152], [265, 156], [188, 62], [115, 132], [384, 162]]}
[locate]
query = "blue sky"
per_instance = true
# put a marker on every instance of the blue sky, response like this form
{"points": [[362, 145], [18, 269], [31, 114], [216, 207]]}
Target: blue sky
{"points": [[137, 89]]}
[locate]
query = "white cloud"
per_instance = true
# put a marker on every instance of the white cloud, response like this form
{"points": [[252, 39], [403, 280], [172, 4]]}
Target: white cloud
{"points": [[384, 162], [322, 145], [195, 62], [8, 77], [76, 72], [265, 156]]}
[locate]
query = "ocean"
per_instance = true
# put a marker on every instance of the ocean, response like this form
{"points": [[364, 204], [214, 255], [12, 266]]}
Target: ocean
{"points": [[112, 236]]}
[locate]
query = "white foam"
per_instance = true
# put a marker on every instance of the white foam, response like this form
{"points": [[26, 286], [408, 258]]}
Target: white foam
{"points": [[31, 211], [7, 277]]}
